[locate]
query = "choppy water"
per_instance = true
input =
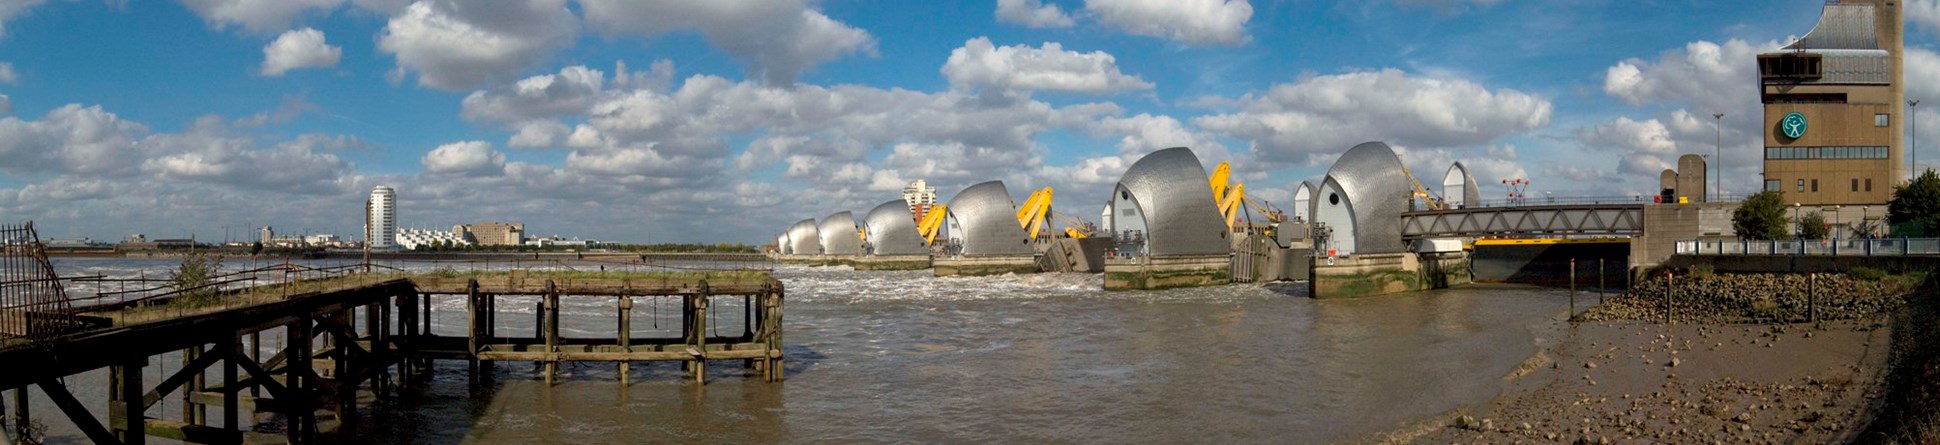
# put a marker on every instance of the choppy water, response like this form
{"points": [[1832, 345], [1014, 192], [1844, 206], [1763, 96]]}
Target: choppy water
{"points": [[905, 357]]}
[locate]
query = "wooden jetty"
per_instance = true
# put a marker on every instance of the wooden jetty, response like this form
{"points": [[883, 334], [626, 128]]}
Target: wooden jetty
{"points": [[355, 332]]}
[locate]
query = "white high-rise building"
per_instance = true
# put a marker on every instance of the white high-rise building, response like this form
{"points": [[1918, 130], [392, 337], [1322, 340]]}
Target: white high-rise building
{"points": [[380, 228], [919, 195]]}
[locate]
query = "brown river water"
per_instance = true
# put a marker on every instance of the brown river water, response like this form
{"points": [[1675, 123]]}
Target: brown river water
{"points": [[902, 357]]}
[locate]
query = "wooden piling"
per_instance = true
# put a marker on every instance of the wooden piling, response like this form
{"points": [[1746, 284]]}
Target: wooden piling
{"points": [[231, 415], [1599, 281], [22, 413], [625, 335], [551, 313], [126, 413], [1572, 289]]}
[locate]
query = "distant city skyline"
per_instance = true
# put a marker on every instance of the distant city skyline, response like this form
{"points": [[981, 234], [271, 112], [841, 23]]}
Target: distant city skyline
{"points": [[720, 121]]}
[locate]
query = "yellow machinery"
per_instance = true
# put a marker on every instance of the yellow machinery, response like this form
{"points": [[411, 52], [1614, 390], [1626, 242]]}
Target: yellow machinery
{"points": [[1231, 198], [1035, 215], [932, 223], [1420, 192]]}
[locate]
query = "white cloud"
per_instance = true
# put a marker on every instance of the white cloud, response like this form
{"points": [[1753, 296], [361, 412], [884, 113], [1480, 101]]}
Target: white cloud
{"points": [[7, 76], [70, 139], [14, 8], [475, 158], [538, 134], [454, 45], [299, 48], [1193, 22], [1708, 76], [6, 104], [210, 155], [1922, 74], [1032, 13], [1924, 13], [1327, 114], [256, 16], [1045, 68], [778, 39], [571, 91]]}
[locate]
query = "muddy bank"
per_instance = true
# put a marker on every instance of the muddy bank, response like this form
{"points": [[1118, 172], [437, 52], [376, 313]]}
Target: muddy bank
{"points": [[1909, 412]]}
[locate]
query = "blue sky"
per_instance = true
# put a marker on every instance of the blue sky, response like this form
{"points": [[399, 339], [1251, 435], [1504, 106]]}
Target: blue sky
{"points": [[735, 118]]}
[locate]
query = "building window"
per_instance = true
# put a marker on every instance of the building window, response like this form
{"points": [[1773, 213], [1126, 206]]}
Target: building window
{"points": [[1771, 185], [1869, 184], [1801, 185], [1882, 119], [1815, 186], [1855, 184]]}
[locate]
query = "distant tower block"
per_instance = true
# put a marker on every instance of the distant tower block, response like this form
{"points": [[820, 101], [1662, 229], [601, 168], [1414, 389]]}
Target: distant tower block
{"points": [[381, 231]]}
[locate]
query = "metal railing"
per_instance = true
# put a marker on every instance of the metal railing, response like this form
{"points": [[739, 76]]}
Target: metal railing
{"points": [[1818, 247], [1587, 200]]}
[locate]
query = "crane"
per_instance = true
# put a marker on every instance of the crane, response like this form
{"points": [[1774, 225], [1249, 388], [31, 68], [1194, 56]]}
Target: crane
{"points": [[932, 223], [1035, 215], [1418, 191], [1231, 198]]}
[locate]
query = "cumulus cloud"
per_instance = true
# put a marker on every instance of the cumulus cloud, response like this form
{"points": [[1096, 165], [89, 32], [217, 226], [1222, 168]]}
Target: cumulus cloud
{"points": [[1327, 114], [571, 91], [1705, 75], [1046, 68], [70, 139], [7, 76], [454, 45], [468, 157], [299, 48], [14, 8], [6, 104], [1193, 22], [1032, 13], [777, 39], [256, 16], [1923, 13]]}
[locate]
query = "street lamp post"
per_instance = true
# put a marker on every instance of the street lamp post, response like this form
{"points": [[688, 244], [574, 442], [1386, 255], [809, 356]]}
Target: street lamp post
{"points": [[1834, 233], [1798, 231], [1913, 160], [1717, 151]]}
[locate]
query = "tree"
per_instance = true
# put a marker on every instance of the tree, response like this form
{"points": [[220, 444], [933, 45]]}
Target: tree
{"points": [[1760, 216], [256, 249], [1813, 226], [1915, 207]]}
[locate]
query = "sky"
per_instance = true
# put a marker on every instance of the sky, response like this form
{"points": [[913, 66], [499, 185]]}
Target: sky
{"points": [[728, 120]]}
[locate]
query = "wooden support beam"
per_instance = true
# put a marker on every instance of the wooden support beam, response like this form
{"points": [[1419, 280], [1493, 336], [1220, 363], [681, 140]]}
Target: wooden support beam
{"points": [[22, 414], [231, 416], [189, 371], [77, 413], [625, 335], [126, 415], [302, 414], [551, 313]]}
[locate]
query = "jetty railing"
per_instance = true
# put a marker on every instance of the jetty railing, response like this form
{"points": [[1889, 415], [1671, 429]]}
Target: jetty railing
{"points": [[1813, 247]]}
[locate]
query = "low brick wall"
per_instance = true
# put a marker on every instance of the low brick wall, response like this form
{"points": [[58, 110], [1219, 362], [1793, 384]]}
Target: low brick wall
{"points": [[1168, 272], [983, 266], [892, 262]]}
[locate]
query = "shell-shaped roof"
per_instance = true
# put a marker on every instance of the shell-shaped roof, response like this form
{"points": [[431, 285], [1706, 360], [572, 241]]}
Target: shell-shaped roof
{"points": [[804, 238], [892, 230], [1177, 204], [988, 221], [838, 233], [1303, 200], [1370, 174], [1841, 26], [1470, 194]]}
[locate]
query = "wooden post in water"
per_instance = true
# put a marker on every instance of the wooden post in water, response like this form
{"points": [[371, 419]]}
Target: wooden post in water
{"points": [[472, 331], [699, 346], [1572, 289], [552, 330], [125, 415], [539, 329], [626, 336], [1599, 281]]}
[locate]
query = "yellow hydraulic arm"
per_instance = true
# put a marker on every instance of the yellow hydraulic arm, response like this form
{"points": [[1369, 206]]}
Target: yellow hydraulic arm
{"points": [[1076, 228], [1422, 192], [932, 223], [1035, 213]]}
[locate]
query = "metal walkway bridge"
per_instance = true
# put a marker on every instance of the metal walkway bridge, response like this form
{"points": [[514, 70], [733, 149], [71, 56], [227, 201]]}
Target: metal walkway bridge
{"points": [[1620, 217]]}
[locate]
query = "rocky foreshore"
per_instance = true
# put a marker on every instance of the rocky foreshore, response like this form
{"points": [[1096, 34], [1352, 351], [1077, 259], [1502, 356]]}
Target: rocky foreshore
{"points": [[1739, 298]]}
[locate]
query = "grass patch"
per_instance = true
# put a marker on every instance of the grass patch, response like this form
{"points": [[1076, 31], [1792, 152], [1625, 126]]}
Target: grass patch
{"points": [[1866, 274]]}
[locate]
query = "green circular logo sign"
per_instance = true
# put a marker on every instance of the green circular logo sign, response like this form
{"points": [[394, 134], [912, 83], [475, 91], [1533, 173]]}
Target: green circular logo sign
{"points": [[1793, 125]]}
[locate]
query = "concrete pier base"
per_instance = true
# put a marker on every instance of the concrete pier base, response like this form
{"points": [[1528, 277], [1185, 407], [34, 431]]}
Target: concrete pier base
{"points": [[892, 262], [984, 265], [1381, 274], [1152, 273], [816, 260]]}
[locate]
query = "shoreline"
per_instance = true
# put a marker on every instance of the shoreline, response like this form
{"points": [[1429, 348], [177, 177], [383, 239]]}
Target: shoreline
{"points": [[1724, 372]]}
